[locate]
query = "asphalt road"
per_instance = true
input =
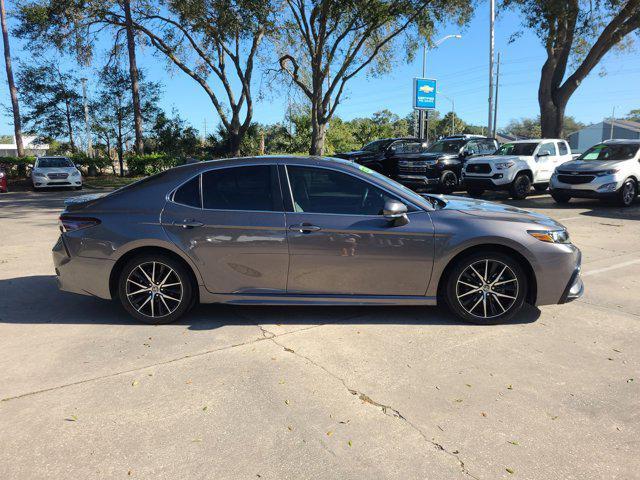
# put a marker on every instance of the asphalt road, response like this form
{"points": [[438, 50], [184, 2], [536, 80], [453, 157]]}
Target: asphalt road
{"points": [[326, 393]]}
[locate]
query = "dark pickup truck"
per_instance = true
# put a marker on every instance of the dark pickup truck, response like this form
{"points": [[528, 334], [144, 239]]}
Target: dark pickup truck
{"points": [[412, 163]]}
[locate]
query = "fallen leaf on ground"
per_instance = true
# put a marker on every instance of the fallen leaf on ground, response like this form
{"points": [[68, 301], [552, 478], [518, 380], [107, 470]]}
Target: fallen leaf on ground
{"points": [[287, 349], [509, 470], [513, 442]]}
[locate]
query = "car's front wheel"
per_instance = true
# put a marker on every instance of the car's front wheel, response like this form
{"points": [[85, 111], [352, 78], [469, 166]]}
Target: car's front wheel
{"points": [[486, 288], [627, 193], [520, 187], [448, 181], [155, 288]]}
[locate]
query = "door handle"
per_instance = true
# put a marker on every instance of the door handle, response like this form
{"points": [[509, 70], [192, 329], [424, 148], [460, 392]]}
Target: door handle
{"points": [[188, 223], [304, 228]]}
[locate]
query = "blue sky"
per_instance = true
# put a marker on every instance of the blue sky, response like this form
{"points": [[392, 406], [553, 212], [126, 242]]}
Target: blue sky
{"points": [[459, 65]]}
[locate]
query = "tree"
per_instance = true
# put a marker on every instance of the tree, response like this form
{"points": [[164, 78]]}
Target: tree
{"points": [[173, 136], [573, 32], [530, 127], [114, 110], [326, 43], [74, 27], [634, 115], [17, 126], [54, 105], [450, 124], [202, 37]]}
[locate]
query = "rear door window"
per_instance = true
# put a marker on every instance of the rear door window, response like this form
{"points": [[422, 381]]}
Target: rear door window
{"points": [[189, 193], [250, 188], [562, 148]]}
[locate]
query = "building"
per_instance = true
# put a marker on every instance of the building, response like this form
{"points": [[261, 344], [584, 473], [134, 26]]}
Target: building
{"points": [[30, 148], [598, 132]]}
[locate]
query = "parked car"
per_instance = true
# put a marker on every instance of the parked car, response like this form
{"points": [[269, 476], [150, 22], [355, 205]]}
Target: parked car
{"points": [[439, 166], [381, 155], [50, 172], [307, 231], [609, 170], [515, 167], [3, 181]]}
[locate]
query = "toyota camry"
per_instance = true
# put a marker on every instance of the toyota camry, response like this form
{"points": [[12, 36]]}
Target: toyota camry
{"points": [[307, 231]]}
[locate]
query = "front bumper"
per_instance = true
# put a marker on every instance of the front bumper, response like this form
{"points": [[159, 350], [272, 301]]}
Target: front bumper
{"points": [[83, 275], [592, 189], [496, 181], [418, 181], [45, 182], [575, 288]]}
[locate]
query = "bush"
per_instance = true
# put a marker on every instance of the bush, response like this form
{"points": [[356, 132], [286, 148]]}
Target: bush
{"points": [[15, 166], [150, 164], [99, 162]]}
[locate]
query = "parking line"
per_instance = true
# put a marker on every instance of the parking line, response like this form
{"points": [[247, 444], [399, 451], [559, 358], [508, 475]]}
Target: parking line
{"points": [[612, 267], [570, 218]]}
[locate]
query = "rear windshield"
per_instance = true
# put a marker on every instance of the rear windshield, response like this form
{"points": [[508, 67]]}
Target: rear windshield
{"points": [[54, 163], [525, 149], [610, 152]]}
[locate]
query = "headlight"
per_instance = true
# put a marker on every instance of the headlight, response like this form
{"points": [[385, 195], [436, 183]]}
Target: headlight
{"points": [[75, 173], [608, 187], [551, 236], [38, 174], [604, 173], [504, 165]]}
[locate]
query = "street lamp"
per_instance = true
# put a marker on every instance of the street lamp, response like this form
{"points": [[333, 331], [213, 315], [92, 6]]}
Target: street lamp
{"points": [[453, 112], [421, 113]]}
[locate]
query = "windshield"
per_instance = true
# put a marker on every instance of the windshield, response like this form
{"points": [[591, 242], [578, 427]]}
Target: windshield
{"points": [[610, 152], [446, 146], [54, 163], [376, 146], [413, 196], [525, 149]]}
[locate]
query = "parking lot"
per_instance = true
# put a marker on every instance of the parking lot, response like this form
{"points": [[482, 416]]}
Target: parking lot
{"points": [[283, 392]]}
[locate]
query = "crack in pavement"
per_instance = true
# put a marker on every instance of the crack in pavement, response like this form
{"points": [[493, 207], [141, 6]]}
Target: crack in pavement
{"points": [[386, 409], [152, 365]]}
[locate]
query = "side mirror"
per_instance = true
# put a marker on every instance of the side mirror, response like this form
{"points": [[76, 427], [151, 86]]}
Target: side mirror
{"points": [[395, 212], [390, 152]]}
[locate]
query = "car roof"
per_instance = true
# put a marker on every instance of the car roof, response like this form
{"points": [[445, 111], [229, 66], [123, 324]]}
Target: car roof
{"points": [[537, 140], [623, 141]]}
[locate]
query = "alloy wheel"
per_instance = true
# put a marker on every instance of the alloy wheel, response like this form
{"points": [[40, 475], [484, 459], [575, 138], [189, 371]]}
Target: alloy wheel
{"points": [[628, 192], [487, 288], [154, 289]]}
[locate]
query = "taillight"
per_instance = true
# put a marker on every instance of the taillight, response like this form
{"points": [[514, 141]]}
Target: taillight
{"points": [[69, 224]]}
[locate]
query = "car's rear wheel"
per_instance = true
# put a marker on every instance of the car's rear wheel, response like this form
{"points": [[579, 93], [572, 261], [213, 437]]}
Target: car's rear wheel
{"points": [[486, 288], [520, 187], [560, 197], [475, 192], [448, 181], [155, 288], [541, 187], [627, 193]]}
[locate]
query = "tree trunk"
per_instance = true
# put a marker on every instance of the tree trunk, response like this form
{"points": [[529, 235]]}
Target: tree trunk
{"points": [[120, 146], [17, 126], [318, 129], [552, 107], [69, 125], [133, 74], [234, 142]]}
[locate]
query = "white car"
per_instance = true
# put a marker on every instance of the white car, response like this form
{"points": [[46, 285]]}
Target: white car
{"points": [[50, 172], [515, 166], [608, 170]]}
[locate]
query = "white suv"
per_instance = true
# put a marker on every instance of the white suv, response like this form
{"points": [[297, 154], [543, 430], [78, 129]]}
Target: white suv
{"points": [[515, 166], [55, 172], [609, 170]]}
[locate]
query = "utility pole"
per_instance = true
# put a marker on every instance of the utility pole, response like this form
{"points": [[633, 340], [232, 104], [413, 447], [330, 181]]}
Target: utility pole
{"points": [[613, 116], [492, 18], [86, 115], [495, 111]]}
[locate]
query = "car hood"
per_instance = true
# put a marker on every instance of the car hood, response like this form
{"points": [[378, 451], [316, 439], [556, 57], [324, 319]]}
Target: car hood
{"points": [[498, 158], [497, 211], [589, 165]]}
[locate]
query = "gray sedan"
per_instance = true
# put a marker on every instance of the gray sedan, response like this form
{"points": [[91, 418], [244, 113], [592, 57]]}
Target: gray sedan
{"points": [[307, 231]]}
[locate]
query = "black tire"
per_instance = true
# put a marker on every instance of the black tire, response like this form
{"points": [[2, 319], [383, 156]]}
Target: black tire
{"points": [[496, 261], [541, 187], [448, 181], [560, 197], [78, 188], [158, 301], [520, 187], [627, 193], [475, 192]]}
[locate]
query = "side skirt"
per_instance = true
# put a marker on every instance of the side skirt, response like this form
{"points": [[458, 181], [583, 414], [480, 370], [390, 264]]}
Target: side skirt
{"points": [[300, 299]]}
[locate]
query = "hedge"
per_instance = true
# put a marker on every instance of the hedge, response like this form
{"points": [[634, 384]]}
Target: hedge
{"points": [[151, 163]]}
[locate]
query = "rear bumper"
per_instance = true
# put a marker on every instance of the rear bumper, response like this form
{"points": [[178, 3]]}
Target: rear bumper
{"points": [[83, 275]]}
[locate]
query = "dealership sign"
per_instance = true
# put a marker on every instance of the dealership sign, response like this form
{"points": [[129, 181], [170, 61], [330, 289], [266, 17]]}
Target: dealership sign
{"points": [[424, 93]]}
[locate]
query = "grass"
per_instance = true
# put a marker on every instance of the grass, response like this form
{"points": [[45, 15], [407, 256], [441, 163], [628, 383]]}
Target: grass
{"points": [[108, 181]]}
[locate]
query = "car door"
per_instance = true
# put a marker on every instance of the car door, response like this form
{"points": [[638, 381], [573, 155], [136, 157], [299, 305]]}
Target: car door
{"points": [[231, 223], [339, 243], [545, 163]]}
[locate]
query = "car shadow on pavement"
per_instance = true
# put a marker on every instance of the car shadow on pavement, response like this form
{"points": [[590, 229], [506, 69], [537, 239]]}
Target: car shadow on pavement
{"points": [[37, 300]]}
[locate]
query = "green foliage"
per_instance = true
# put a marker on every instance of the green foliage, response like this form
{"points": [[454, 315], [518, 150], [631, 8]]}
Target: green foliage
{"points": [[100, 162], [634, 115], [173, 136], [15, 166], [530, 127], [150, 164]]}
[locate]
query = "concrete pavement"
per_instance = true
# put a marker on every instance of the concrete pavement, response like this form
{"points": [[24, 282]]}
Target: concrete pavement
{"points": [[275, 393]]}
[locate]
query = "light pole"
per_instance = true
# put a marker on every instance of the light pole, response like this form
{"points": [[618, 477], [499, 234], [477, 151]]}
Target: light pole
{"points": [[422, 114], [492, 17], [86, 115], [453, 112]]}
